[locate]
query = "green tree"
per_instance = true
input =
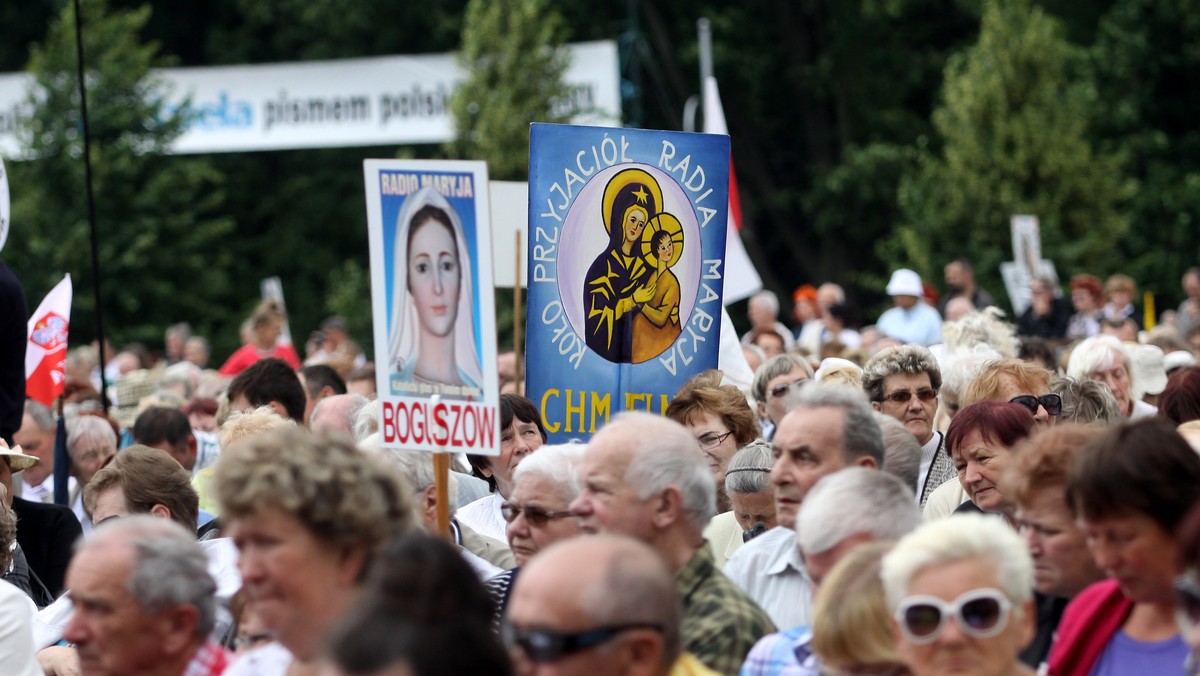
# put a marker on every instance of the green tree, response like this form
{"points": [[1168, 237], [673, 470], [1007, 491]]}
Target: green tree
{"points": [[1013, 129], [160, 229], [1147, 70], [514, 77]]}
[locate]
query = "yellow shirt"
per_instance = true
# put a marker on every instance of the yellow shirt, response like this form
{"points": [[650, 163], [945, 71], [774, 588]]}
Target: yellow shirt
{"points": [[688, 665]]}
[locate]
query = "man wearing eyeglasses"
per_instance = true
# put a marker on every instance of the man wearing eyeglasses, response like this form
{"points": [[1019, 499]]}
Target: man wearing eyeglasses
{"points": [[597, 605], [642, 477], [903, 382]]}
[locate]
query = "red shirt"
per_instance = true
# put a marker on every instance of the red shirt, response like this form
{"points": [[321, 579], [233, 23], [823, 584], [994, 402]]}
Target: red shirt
{"points": [[248, 354]]}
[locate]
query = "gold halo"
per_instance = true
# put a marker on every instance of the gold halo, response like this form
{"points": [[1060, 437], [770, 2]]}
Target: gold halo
{"points": [[620, 180], [667, 223]]}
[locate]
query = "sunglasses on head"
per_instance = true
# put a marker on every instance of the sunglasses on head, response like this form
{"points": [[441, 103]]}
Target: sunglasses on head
{"points": [[540, 644], [536, 516], [903, 396], [980, 613], [1051, 402]]}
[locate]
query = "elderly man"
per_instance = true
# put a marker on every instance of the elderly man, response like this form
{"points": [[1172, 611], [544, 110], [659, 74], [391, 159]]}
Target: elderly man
{"points": [[763, 311], [846, 509], [36, 438], [773, 381], [827, 429], [911, 320], [145, 602], [487, 555], [91, 441], [642, 477], [337, 413], [147, 481], [903, 382], [557, 625]]}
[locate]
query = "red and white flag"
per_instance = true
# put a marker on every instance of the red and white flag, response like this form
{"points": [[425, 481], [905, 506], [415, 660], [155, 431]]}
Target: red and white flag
{"points": [[47, 349], [741, 278]]}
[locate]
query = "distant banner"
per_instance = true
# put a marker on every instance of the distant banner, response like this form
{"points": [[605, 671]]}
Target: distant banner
{"points": [[350, 102], [433, 307], [626, 269]]}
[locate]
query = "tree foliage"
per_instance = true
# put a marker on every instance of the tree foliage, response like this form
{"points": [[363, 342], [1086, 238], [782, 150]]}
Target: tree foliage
{"points": [[510, 49], [160, 220], [1013, 132]]}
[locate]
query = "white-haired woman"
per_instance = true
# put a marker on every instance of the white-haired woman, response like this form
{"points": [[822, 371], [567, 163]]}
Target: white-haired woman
{"points": [[432, 322], [544, 485], [961, 594], [1107, 360]]}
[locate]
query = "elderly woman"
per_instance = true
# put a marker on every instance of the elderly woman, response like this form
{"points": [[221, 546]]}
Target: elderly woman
{"points": [[1130, 489], [544, 485], [308, 515], [1105, 359], [980, 439], [1063, 566], [772, 383], [960, 591], [752, 498], [719, 418], [91, 442]]}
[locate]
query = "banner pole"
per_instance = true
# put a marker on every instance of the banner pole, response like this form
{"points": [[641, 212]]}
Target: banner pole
{"points": [[520, 379], [441, 476], [91, 200]]}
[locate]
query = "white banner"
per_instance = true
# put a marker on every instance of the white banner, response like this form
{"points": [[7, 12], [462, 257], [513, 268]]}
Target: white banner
{"points": [[322, 104]]}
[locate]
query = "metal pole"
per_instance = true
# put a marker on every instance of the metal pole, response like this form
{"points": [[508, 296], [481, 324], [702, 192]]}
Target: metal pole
{"points": [[91, 199], [704, 28]]}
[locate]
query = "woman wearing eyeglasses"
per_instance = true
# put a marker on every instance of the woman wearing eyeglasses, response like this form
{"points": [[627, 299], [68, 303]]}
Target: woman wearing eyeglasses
{"points": [[544, 484], [960, 591], [979, 439], [720, 419], [1130, 488]]}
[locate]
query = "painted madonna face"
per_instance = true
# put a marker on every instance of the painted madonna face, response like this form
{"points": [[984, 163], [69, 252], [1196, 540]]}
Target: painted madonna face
{"points": [[434, 277], [635, 221]]}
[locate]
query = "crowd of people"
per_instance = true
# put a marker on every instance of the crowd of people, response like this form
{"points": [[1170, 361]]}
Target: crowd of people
{"points": [[942, 492]]}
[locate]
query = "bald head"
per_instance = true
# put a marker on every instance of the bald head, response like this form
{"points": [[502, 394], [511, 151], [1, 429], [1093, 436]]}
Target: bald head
{"points": [[644, 476], [337, 413], [601, 581]]}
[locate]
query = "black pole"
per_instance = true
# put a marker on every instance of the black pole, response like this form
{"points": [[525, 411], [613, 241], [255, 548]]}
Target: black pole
{"points": [[91, 200]]}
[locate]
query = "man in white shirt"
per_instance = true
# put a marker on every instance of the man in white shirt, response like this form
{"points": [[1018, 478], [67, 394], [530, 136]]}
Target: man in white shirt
{"points": [[825, 430]]}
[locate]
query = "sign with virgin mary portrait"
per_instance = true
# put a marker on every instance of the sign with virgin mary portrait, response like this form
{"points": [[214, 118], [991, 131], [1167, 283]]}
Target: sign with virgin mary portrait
{"points": [[626, 269], [432, 304]]}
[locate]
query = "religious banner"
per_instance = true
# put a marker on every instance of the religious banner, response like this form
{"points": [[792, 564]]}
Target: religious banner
{"points": [[626, 269], [433, 306]]}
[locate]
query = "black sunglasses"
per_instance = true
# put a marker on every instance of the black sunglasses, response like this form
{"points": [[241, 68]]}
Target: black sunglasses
{"points": [[536, 516], [783, 388], [547, 645], [1051, 402], [903, 396]]}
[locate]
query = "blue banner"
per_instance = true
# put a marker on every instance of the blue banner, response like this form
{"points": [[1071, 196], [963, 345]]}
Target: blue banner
{"points": [[626, 269]]}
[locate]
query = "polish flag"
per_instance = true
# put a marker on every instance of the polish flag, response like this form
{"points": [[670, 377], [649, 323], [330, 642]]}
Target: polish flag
{"points": [[741, 278], [47, 348]]}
